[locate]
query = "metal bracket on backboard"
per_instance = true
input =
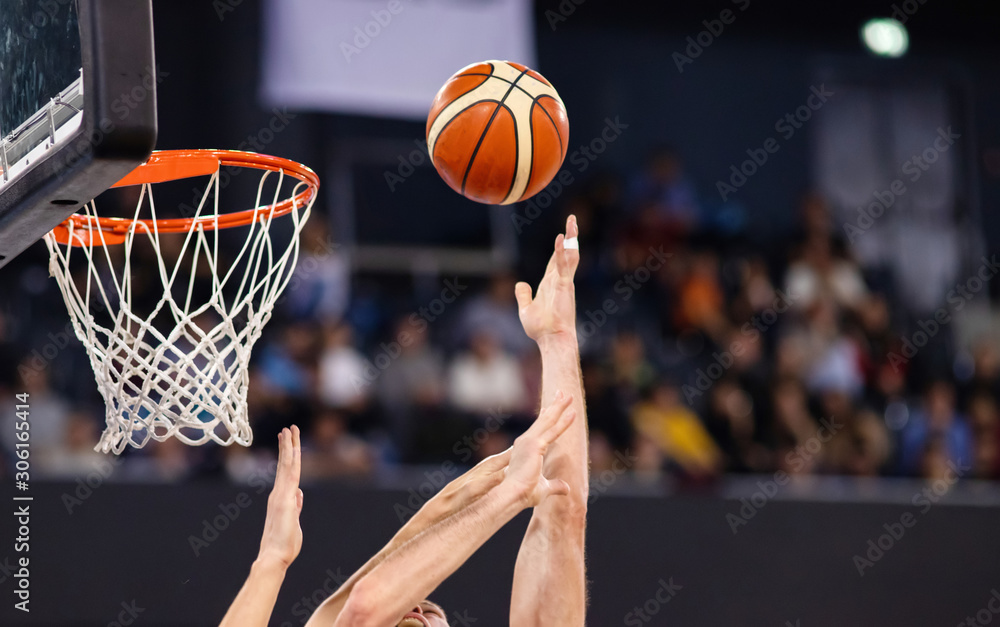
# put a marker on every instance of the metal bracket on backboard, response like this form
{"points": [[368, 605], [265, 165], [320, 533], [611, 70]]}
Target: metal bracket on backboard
{"points": [[117, 54]]}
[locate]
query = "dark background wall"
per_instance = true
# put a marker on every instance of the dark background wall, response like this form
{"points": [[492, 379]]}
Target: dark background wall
{"points": [[793, 561]]}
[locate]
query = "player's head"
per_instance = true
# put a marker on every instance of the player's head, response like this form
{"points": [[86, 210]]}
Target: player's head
{"points": [[425, 614]]}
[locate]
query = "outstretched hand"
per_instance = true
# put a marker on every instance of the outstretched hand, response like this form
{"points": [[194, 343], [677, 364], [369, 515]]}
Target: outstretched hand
{"points": [[282, 539], [524, 472], [552, 311], [470, 487]]}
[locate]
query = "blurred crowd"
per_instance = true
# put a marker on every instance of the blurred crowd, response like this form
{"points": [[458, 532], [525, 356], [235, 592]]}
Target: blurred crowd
{"points": [[703, 353]]}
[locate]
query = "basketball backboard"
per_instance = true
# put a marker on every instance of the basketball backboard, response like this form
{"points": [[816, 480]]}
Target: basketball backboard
{"points": [[77, 107]]}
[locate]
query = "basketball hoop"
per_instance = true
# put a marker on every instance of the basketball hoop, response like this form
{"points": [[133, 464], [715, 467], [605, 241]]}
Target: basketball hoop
{"points": [[187, 378]]}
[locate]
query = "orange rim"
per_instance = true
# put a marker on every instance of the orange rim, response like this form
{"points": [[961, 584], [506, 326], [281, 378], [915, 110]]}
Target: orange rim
{"points": [[172, 165]]}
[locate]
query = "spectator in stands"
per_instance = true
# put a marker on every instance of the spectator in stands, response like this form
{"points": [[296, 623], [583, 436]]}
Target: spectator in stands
{"points": [[75, 457], [794, 426], [631, 371], [344, 376], [495, 309], [750, 369], [608, 410], [934, 430], [818, 273], [412, 388], [986, 369], [289, 365], [934, 460], [815, 220], [649, 458], [701, 303], [486, 378], [329, 450], [663, 187], [832, 359], [755, 293], [985, 422], [678, 432], [732, 424], [861, 446], [320, 286], [49, 417]]}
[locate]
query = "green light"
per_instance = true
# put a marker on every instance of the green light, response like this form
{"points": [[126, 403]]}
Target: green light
{"points": [[885, 37]]}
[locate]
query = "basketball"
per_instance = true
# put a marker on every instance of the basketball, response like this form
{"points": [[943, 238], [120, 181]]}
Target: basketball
{"points": [[497, 132]]}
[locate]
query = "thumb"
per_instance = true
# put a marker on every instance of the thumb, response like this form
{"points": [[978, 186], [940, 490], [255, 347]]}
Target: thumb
{"points": [[558, 487], [522, 291]]}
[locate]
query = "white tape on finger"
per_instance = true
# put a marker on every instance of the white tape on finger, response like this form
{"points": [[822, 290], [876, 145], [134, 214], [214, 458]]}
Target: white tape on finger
{"points": [[571, 243]]}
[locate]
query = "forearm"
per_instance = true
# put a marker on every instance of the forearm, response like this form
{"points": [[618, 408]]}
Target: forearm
{"points": [[255, 601], [328, 612], [549, 585], [409, 574], [568, 457]]}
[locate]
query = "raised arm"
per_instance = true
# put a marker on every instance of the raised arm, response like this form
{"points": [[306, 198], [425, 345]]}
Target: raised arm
{"points": [[411, 573], [550, 575], [280, 543], [458, 495]]}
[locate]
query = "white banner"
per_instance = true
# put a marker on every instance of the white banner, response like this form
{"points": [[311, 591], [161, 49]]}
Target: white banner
{"points": [[383, 57]]}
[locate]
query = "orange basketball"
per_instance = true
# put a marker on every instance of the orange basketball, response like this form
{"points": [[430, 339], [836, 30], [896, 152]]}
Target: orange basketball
{"points": [[497, 132]]}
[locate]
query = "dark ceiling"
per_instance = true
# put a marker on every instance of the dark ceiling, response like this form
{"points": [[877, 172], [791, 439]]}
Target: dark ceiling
{"points": [[932, 23]]}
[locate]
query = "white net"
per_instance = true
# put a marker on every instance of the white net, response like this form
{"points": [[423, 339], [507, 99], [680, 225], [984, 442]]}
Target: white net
{"points": [[186, 378]]}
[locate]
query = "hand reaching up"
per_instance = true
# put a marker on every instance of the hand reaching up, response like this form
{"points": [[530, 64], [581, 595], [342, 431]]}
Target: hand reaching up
{"points": [[552, 311], [524, 472], [282, 539]]}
